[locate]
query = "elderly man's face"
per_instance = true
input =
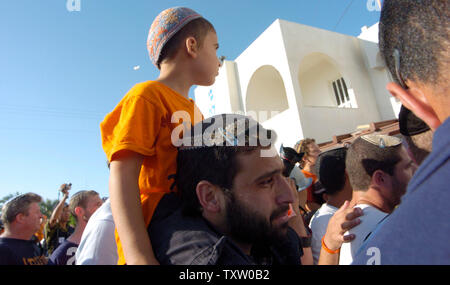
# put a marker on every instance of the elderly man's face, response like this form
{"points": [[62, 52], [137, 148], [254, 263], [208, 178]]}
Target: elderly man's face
{"points": [[33, 217], [258, 207]]}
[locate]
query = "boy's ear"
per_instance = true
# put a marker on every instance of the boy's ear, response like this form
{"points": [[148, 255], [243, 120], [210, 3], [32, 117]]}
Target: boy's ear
{"points": [[414, 99], [191, 46], [208, 196]]}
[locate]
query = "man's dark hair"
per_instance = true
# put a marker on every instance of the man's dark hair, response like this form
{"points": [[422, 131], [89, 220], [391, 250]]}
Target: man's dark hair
{"points": [[217, 164], [364, 158], [197, 28], [419, 30], [330, 169]]}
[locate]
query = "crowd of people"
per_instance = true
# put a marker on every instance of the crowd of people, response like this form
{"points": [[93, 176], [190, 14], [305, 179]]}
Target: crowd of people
{"points": [[185, 190]]}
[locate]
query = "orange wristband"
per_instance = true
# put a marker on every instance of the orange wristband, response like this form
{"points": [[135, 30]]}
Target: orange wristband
{"points": [[329, 250]]}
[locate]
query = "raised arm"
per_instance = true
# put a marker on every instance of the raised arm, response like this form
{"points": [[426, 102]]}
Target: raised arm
{"points": [[56, 214]]}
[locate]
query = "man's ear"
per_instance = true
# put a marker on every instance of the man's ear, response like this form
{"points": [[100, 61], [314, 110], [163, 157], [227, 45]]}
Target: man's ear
{"points": [[20, 218], [380, 179], [208, 196], [191, 46], [79, 212], [414, 99]]}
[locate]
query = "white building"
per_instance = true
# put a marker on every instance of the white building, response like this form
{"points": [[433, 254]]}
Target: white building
{"points": [[303, 81]]}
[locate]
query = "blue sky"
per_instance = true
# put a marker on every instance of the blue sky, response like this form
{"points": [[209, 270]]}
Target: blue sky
{"points": [[61, 72]]}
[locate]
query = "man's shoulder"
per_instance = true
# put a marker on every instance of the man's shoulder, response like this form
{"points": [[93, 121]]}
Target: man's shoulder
{"points": [[5, 245], [12, 242], [369, 220], [419, 222], [322, 215], [178, 239], [63, 252]]}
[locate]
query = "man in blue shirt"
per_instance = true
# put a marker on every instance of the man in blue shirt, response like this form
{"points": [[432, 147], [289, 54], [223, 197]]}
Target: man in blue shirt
{"points": [[21, 217], [415, 43]]}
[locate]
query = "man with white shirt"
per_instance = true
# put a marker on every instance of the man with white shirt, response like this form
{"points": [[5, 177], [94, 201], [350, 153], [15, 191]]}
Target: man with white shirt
{"points": [[98, 243], [379, 170]]}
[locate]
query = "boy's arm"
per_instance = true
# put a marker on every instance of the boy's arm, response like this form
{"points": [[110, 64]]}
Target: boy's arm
{"points": [[127, 210], [56, 214]]}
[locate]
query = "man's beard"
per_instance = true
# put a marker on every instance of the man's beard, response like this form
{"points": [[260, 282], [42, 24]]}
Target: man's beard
{"points": [[246, 225], [399, 189]]}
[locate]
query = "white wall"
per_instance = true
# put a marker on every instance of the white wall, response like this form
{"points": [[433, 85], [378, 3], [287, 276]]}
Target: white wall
{"points": [[266, 92], [255, 80], [221, 97], [315, 82], [269, 50], [345, 53]]}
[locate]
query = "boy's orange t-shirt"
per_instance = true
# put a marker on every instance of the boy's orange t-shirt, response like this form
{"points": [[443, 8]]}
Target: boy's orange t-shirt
{"points": [[142, 122]]}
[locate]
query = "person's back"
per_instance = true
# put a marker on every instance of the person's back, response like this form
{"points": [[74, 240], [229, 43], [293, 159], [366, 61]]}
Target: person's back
{"points": [[414, 41], [369, 221], [138, 135], [64, 254], [318, 225], [330, 168], [98, 244]]}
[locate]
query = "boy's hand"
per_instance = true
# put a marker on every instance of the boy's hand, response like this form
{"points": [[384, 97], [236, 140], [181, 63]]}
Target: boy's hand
{"points": [[343, 220]]}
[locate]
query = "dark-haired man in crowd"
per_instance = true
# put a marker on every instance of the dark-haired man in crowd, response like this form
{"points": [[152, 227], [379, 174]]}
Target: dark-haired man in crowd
{"points": [[330, 169], [236, 207], [21, 217], [379, 170], [415, 44]]}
